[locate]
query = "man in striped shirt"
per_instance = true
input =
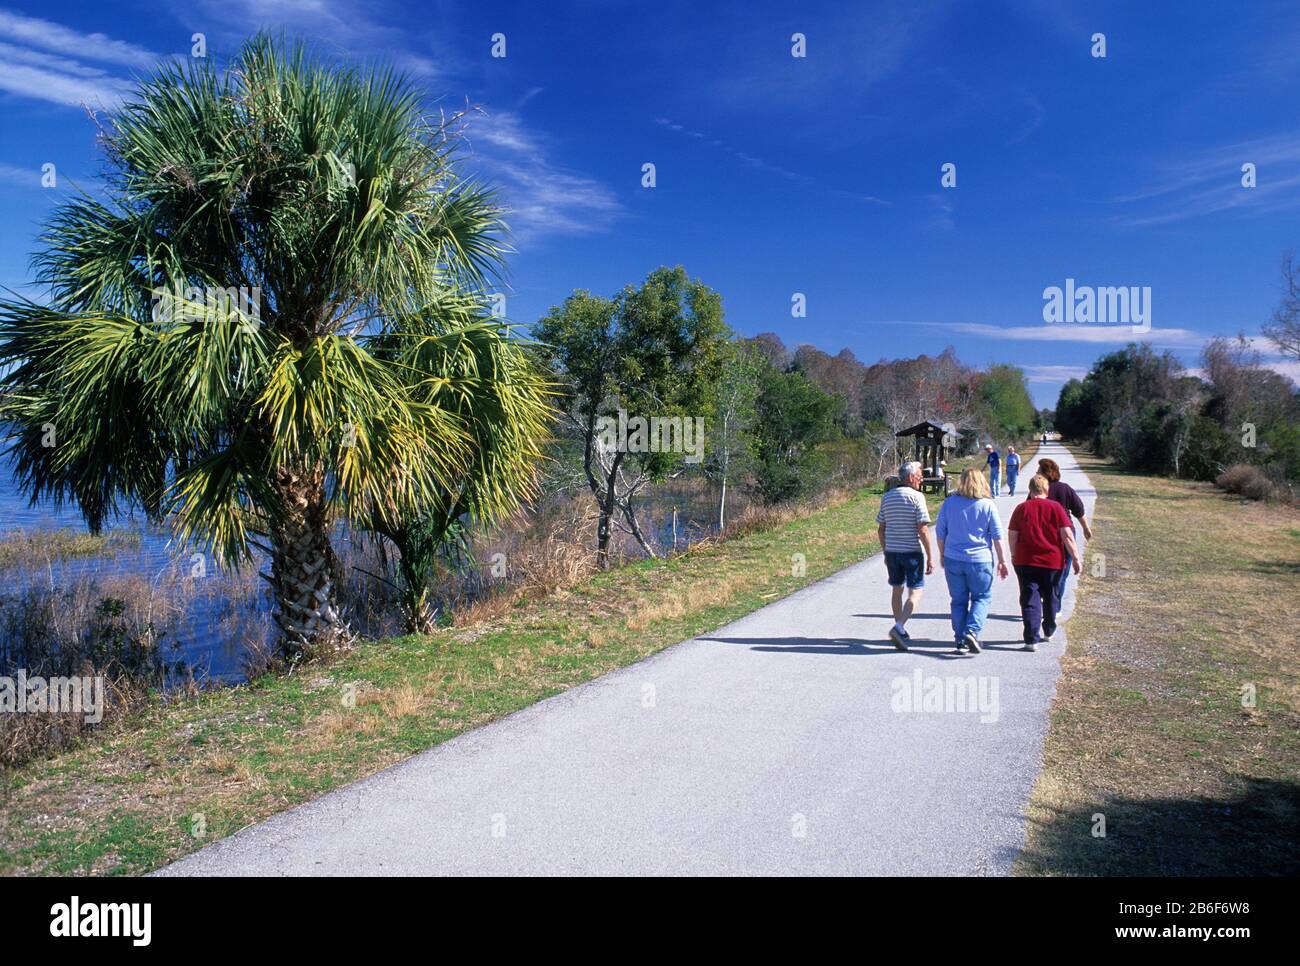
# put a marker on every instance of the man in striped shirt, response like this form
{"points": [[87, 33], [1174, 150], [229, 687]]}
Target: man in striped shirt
{"points": [[904, 530]]}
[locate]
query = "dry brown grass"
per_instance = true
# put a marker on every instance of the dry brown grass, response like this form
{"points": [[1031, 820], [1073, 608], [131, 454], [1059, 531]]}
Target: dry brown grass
{"points": [[1149, 728]]}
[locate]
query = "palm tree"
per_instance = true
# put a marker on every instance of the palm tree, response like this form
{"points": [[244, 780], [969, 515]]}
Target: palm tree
{"points": [[331, 203], [503, 399]]}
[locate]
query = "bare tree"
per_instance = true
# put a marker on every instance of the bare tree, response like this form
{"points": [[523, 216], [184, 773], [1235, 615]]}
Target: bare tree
{"points": [[1284, 330]]}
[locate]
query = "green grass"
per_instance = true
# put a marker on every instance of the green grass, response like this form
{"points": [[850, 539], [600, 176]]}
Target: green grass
{"points": [[130, 800]]}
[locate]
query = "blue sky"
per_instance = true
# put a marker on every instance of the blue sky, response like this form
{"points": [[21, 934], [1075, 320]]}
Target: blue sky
{"points": [[775, 174]]}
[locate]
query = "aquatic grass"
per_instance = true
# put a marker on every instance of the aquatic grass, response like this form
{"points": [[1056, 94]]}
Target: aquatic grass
{"points": [[43, 547]]}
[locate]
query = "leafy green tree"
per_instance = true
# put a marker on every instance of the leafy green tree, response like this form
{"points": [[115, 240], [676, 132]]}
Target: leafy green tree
{"points": [[332, 202], [652, 351], [1074, 417], [1005, 405], [794, 415]]}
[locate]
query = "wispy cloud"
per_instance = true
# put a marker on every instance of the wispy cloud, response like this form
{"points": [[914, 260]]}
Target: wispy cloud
{"points": [[1168, 338], [1050, 373], [1036, 116], [760, 164], [31, 178], [542, 197], [47, 61], [1209, 182], [742, 156], [17, 177], [46, 35], [1113, 335], [835, 65], [942, 212], [352, 28]]}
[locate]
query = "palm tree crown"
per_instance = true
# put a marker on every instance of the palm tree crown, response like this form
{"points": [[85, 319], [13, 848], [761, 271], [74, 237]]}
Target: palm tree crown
{"points": [[274, 318]]}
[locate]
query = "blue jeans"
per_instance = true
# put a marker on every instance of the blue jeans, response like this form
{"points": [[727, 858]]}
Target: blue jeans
{"points": [[1011, 482], [970, 585], [1062, 578], [995, 478]]}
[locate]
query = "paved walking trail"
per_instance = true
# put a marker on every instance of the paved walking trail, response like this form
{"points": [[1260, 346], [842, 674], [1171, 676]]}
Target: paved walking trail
{"points": [[766, 747]]}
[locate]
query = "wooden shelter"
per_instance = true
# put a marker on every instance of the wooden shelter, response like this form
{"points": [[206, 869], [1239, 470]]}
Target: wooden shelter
{"points": [[930, 450]]}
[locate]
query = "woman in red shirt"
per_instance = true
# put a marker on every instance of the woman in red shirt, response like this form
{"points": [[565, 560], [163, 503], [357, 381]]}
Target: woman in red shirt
{"points": [[1042, 540]]}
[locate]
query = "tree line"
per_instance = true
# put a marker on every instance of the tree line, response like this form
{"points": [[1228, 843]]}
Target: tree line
{"points": [[772, 415], [1151, 414]]}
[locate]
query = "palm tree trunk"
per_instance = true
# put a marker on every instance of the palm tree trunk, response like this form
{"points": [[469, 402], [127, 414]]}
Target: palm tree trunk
{"points": [[421, 615], [303, 566], [417, 601]]}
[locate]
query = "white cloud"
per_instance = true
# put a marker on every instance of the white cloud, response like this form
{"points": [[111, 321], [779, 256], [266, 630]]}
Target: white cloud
{"points": [[502, 129], [1049, 373], [541, 196], [40, 58], [12, 174], [46, 35], [1209, 182], [46, 61], [69, 90], [1170, 338], [1287, 368], [742, 156], [350, 27], [1117, 334], [942, 212]]}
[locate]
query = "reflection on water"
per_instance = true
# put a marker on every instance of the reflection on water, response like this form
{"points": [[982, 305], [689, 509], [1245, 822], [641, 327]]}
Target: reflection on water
{"points": [[210, 618], [205, 615]]}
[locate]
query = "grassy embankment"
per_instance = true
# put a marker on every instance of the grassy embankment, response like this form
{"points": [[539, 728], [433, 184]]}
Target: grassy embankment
{"points": [[1152, 725], [165, 781]]}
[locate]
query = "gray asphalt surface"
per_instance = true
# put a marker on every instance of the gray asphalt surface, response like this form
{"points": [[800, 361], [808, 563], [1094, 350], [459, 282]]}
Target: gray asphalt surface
{"points": [[771, 746]]}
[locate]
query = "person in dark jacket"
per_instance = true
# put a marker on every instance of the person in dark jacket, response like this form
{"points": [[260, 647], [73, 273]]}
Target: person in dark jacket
{"points": [[1063, 493]]}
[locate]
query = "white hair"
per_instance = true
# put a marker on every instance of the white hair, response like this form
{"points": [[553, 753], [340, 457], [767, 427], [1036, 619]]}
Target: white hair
{"points": [[907, 469]]}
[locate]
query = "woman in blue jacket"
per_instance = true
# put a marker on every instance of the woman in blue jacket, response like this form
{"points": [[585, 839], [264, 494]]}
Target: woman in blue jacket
{"points": [[970, 532]]}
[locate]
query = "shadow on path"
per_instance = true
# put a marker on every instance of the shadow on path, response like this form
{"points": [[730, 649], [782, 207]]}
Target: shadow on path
{"points": [[944, 616], [848, 646]]}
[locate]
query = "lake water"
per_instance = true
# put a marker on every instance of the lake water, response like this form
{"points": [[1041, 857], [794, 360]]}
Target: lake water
{"points": [[199, 633], [218, 614]]}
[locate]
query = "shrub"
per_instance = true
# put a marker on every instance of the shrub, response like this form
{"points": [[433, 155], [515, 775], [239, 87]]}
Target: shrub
{"points": [[1253, 483], [108, 631]]}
